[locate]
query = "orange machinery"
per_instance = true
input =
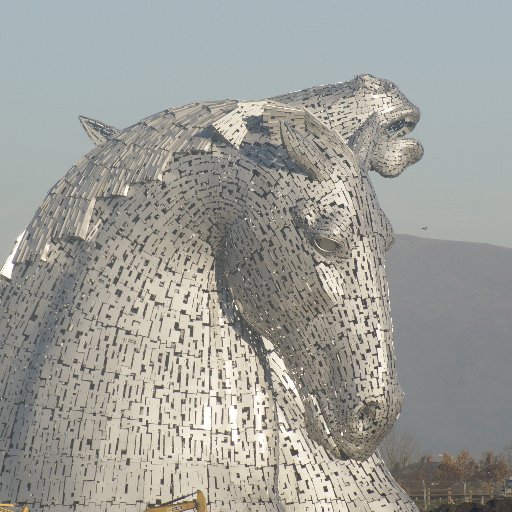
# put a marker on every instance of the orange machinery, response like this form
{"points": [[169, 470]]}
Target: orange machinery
{"points": [[12, 507], [198, 504]]}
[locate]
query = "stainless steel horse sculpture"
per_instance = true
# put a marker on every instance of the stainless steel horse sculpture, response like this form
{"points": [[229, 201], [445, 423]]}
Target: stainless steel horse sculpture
{"points": [[201, 303]]}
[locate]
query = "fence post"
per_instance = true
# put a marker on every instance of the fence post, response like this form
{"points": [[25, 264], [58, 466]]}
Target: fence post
{"points": [[424, 496]]}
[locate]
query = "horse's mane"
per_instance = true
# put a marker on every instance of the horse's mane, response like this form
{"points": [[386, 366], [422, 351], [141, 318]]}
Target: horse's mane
{"points": [[143, 152], [140, 153]]}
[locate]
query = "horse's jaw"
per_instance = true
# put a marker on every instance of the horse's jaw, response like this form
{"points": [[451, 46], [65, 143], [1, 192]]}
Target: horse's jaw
{"points": [[348, 423], [351, 402]]}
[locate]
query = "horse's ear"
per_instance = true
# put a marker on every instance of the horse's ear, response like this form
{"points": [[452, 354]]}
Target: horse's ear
{"points": [[97, 131], [313, 148], [315, 126], [275, 113], [305, 153]]}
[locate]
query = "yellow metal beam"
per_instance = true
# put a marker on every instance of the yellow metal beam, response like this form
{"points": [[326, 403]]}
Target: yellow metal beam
{"points": [[198, 504]]}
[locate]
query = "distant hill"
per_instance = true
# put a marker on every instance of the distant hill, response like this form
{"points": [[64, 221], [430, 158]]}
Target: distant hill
{"points": [[452, 312]]}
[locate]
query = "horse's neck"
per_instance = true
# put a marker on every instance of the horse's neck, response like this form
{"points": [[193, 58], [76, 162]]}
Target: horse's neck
{"points": [[212, 355]]}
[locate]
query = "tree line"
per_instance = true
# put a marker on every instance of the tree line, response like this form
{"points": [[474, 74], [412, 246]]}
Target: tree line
{"points": [[400, 450], [491, 468]]}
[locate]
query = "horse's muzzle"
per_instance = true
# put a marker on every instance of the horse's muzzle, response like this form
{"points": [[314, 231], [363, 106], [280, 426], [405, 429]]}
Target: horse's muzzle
{"points": [[363, 427], [356, 430], [393, 156]]}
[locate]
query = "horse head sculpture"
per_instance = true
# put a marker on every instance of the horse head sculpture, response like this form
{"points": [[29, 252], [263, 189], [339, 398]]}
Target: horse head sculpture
{"points": [[324, 295], [202, 302]]}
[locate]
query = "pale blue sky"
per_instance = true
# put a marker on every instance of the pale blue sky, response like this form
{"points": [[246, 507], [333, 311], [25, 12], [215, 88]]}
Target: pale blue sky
{"points": [[119, 61]]}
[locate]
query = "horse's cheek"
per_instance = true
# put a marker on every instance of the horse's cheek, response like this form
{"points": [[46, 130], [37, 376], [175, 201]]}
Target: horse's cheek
{"points": [[253, 290], [331, 283]]}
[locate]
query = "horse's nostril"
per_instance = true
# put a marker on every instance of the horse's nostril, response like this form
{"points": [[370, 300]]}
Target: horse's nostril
{"points": [[364, 417]]}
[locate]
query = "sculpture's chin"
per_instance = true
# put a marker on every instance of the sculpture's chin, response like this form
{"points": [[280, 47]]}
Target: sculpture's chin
{"points": [[357, 450], [341, 447], [357, 438], [393, 156], [355, 453]]}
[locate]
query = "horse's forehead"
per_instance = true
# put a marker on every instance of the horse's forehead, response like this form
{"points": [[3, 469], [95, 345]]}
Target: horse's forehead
{"points": [[333, 192], [328, 200]]}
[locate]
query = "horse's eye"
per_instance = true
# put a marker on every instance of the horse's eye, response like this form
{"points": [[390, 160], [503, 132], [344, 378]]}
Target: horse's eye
{"points": [[325, 246]]}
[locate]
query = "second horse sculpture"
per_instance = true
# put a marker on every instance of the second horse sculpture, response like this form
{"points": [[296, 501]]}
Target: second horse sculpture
{"points": [[201, 303]]}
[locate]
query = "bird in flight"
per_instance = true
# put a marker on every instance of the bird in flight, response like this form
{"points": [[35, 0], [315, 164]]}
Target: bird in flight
{"points": [[424, 228]]}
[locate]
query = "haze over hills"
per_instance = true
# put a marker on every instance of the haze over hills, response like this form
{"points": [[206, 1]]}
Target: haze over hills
{"points": [[452, 312]]}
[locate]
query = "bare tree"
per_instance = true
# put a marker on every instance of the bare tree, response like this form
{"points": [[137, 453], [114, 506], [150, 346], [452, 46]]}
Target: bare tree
{"points": [[508, 453], [399, 449]]}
